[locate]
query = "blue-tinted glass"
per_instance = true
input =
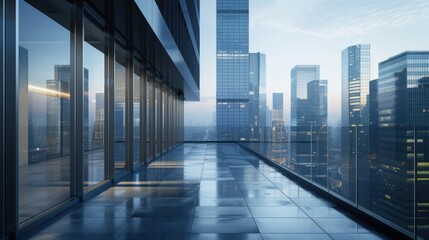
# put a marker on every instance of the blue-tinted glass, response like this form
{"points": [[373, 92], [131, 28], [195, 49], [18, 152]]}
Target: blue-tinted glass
{"points": [[44, 85]]}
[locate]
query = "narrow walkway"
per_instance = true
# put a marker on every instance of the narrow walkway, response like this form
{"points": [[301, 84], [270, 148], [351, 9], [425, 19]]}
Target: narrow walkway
{"points": [[206, 191]]}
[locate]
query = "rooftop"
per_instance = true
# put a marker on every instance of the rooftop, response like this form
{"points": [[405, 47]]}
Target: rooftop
{"points": [[206, 191]]}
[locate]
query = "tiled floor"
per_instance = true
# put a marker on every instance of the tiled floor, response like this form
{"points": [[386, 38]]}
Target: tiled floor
{"points": [[206, 191]]}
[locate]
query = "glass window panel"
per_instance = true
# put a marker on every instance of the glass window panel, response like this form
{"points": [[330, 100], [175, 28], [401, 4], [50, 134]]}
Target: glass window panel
{"points": [[119, 108], [149, 151], [94, 99], [137, 80], [44, 106], [156, 125]]}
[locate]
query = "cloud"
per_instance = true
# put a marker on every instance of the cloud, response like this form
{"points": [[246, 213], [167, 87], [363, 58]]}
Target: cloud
{"points": [[337, 18]]}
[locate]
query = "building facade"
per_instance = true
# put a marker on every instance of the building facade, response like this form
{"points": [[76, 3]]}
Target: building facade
{"points": [[402, 156], [300, 140], [257, 96], [278, 124], [278, 131], [355, 76], [90, 90], [232, 70], [317, 119]]}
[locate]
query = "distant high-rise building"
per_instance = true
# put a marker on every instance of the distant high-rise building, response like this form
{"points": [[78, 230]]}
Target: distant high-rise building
{"points": [[300, 139], [269, 116], [317, 119], [401, 183], [278, 133], [23, 106], [355, 76], [232, 76], [98, 133], [257, 95], [269, 122], [278, 108], [373, 119], [58, 111], [368, 169]]}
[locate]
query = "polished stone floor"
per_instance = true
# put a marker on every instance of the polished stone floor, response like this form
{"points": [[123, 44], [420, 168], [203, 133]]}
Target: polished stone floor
{"points": [[206, 191]]}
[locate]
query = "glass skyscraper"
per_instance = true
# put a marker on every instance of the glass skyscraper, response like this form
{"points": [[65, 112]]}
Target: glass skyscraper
{"points": [[278, 133], [300, 139], [355, 76], [317, 119], [401, 183], [257, 96], [232, 65]]}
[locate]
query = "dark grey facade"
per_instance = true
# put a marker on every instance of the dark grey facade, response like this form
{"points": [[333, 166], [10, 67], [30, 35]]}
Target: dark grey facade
{"points": [[232, 70], [403, 136], [90, 91]]}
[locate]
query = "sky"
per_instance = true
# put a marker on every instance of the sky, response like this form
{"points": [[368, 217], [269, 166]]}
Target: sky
{"points": [[295, 32]]}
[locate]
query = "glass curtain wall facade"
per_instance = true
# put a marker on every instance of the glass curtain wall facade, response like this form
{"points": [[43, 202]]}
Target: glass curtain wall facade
{"points": [[301, 124], [278, 131], [401, 160], [317, 118], [355, 76], [87, 82], [257, 97], [232, 70]]}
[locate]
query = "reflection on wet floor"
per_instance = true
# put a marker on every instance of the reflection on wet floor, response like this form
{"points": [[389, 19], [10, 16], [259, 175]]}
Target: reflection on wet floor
{"points": [[206, 191]]}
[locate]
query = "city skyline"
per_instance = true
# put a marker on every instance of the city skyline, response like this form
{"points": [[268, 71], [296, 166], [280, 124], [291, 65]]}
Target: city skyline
{"points": [[304, 47]]}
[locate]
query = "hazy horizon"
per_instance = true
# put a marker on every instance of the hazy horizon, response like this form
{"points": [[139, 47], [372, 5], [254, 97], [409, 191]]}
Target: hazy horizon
{"points": [[292, 32]]}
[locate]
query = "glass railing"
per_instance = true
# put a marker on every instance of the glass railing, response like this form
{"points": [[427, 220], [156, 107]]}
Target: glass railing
{"points": [[382, 170]]}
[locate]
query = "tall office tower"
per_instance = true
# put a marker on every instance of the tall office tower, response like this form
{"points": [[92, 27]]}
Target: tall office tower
{"points": [[317, 118], [355, 76], [403, 154], [23, 106], [278, 134], [269, 116], [300, 140], [257, 96], [278, 109], [232, 76], [370, 172], [58, 111], [373, 119], [98, 132]]}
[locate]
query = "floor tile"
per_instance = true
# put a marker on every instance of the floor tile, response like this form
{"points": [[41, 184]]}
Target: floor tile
{"points": [[226, 236], [222, 212], [260, 212], [287, 225], [305, 236], [224, 225], [340, 225]]}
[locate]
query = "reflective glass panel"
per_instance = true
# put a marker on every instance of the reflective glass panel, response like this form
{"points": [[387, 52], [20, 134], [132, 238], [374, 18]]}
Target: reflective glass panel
{"points": [[44, 106], [94, 102]]}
